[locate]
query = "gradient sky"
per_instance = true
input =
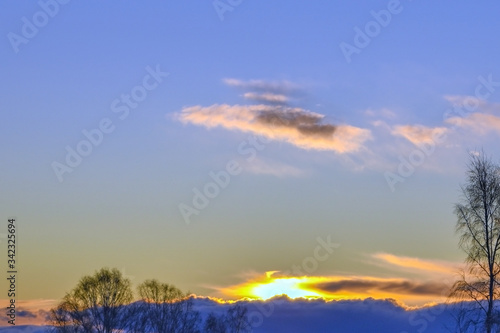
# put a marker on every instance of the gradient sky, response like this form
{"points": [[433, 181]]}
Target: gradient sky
{"points": [[343, 123]]}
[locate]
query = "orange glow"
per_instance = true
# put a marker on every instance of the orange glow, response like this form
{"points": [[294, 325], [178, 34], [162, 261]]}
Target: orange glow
{"points": [[309, 287], [269, 286], [289, 286]]}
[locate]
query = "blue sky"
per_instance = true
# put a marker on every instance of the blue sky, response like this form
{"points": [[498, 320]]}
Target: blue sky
{"points": [[342, 129]]}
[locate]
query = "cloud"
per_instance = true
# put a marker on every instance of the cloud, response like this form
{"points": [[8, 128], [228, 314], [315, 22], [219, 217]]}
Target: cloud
{"points": [[274, 87], [419, 134], [25, 313], [268, 92], [267, 97], [307, 123], [30, 312], [426, 266], [371, 286], [25, 329], [300, 127], [475, 114], [479, 123]]}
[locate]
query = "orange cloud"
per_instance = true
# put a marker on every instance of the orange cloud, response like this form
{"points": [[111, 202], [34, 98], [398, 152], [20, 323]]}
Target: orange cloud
{"points": [[424, 266], [480, 123], [419, 134], [297, 126]]}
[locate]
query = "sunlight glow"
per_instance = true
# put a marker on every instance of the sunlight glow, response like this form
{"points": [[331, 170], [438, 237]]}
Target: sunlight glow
{"points": [[289, 286], [272, 284]]}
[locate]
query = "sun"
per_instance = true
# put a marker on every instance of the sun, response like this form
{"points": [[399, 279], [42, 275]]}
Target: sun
{"points": [[273, 284], [292, 287]]}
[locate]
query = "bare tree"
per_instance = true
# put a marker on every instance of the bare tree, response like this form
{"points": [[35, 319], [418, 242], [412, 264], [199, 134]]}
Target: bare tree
{"points": [[478, 225], [164, 309], [234, 321], [215, 324], [237, 319], [96, 304], [65, 320]]}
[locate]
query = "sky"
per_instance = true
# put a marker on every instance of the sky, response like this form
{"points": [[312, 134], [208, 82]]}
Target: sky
{"points": [[243, 148]]}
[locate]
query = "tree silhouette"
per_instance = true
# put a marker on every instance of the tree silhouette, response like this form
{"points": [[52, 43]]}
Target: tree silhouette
{"points": [[164, 309], [478, 225], [237, 319], [96, 304], [215, 324], [102, 303], [234, 321]]}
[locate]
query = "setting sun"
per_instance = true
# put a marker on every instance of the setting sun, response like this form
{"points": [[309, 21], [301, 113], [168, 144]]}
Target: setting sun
{"points": [[268, 286], [292, 287]]}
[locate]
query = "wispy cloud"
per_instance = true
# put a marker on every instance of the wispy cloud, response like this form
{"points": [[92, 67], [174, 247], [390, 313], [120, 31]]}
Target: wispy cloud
{"points": [[300, 127], [419, 134], [474, 114], [267, 97], [479, 123], [274, 87], [267, 92], [428, 267]]}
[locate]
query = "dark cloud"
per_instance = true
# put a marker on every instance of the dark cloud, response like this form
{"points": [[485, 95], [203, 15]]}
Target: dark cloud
{"points": [[25, 329], [397, 287], [25, 314], [307, 123]]}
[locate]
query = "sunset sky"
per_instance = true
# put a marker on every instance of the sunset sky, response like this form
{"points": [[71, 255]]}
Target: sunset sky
{"points": [[308, 148]]}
